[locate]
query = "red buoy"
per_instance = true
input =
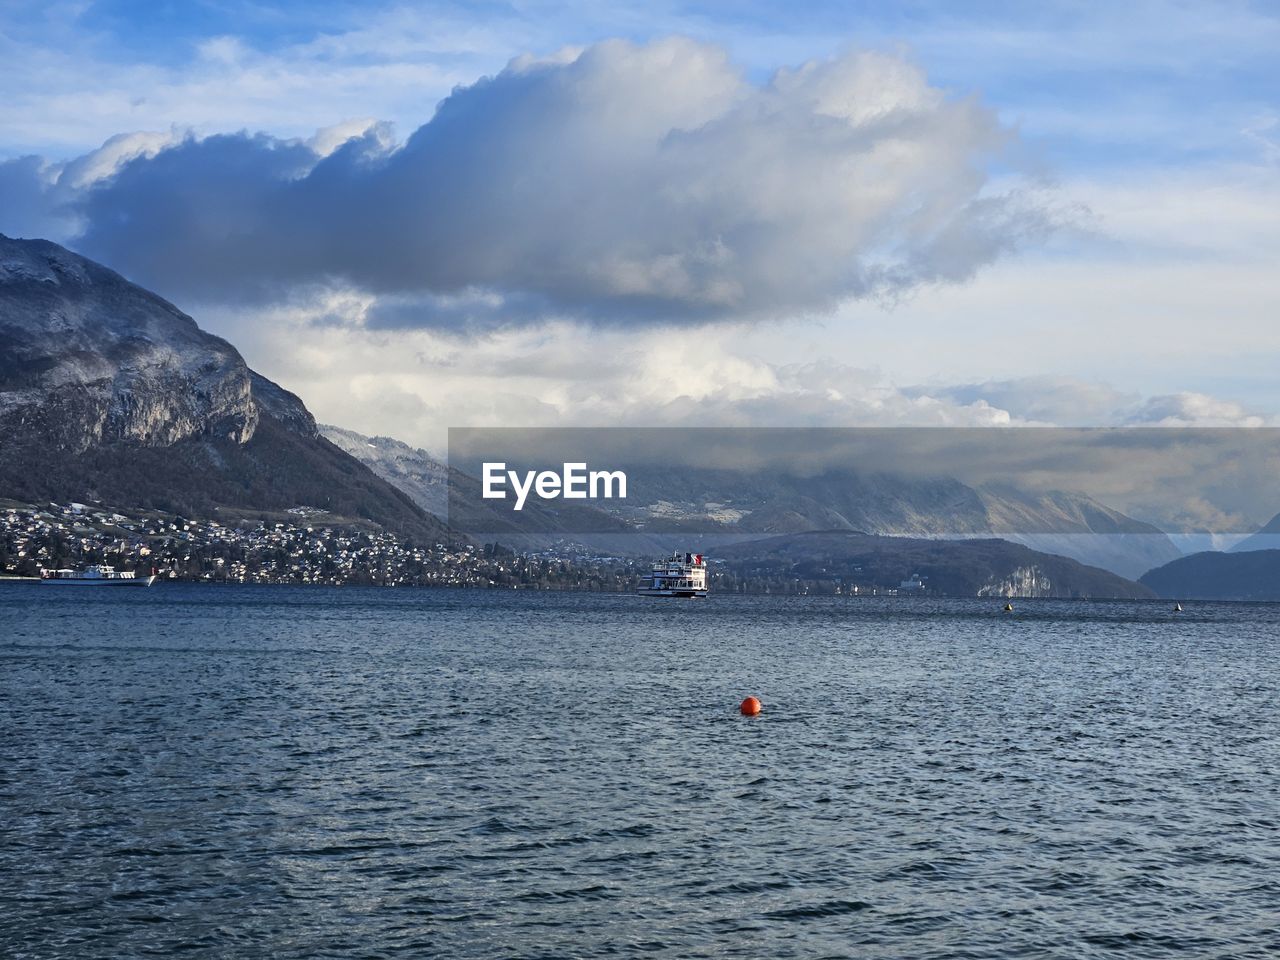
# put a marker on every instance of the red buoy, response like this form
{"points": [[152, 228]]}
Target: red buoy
{"points": [[750, 707]]}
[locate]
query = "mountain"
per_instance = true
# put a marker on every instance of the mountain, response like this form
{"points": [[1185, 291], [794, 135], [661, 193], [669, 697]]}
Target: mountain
{"points": [[1268, 538], [1128, 554], [427, 482], [896, 505], [1251, 575], [1077, 526], [110, 393], [893, 504], [957, 568], [703, 509], [407, 468]]}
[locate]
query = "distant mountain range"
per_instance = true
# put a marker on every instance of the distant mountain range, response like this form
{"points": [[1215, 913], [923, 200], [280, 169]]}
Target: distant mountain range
{"points": [[110, 393], [956, 568], [1268, 538], [426, 481], [1248, 575], [730, 505], [896, 505], [972, 567]]}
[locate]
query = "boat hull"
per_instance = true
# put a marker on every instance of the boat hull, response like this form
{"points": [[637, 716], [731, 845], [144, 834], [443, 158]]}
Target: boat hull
{"points": [[691, 594], [99, 581]]}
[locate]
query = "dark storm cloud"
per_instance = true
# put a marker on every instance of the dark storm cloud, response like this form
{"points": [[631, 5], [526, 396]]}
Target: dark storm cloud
{"points": [[201, 217], [624, 182]]}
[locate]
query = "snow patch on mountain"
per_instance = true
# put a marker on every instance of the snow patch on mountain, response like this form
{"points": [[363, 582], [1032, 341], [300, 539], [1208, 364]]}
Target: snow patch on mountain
{"points": [[412, 470]]}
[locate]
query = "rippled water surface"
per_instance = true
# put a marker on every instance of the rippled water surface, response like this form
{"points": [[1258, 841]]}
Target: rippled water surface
{"points": [[293, 772]]}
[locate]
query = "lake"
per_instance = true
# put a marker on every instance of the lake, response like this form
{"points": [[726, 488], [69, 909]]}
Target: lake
{"points": [[306, 772]]}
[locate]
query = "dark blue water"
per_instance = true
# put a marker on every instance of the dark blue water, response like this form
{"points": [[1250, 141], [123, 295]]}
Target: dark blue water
{"points": [[292, 772]]}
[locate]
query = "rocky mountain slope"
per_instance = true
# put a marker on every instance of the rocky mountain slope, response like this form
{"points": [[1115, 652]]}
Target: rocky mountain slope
{"points": [[412, 470], [87, 358], [110, 393]]}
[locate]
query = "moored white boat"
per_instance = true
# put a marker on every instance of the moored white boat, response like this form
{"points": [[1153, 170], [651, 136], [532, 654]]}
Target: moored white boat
{"points": [[97, 574], [681, 576]]}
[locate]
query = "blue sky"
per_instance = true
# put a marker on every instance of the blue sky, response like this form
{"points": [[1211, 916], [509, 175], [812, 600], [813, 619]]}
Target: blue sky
{"points": [[1089, 83], [1146, 134]]}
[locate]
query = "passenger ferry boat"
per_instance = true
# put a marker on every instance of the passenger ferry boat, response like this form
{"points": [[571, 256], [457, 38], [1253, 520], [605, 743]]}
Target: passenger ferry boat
{"points": [[684, 575], [97, 575]]}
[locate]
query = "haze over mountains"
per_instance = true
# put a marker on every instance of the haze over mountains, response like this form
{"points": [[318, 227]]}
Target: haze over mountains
{"points": [[747, 504], [1249, 570], [972, 567], [1267, 538], [896, 505], [108, 392]]}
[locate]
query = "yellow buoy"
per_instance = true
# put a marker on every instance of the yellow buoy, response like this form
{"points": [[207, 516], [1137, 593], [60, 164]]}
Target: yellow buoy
{"points": [[1008, 608]]}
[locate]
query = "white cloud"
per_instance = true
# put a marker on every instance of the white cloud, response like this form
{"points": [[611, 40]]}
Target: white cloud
{"points": [[68, 86], [1043, 399], [1197, 410], [414, 384], [102, 164], [329, 139], [627, 183], [1169, 300], [1171, 293]]}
